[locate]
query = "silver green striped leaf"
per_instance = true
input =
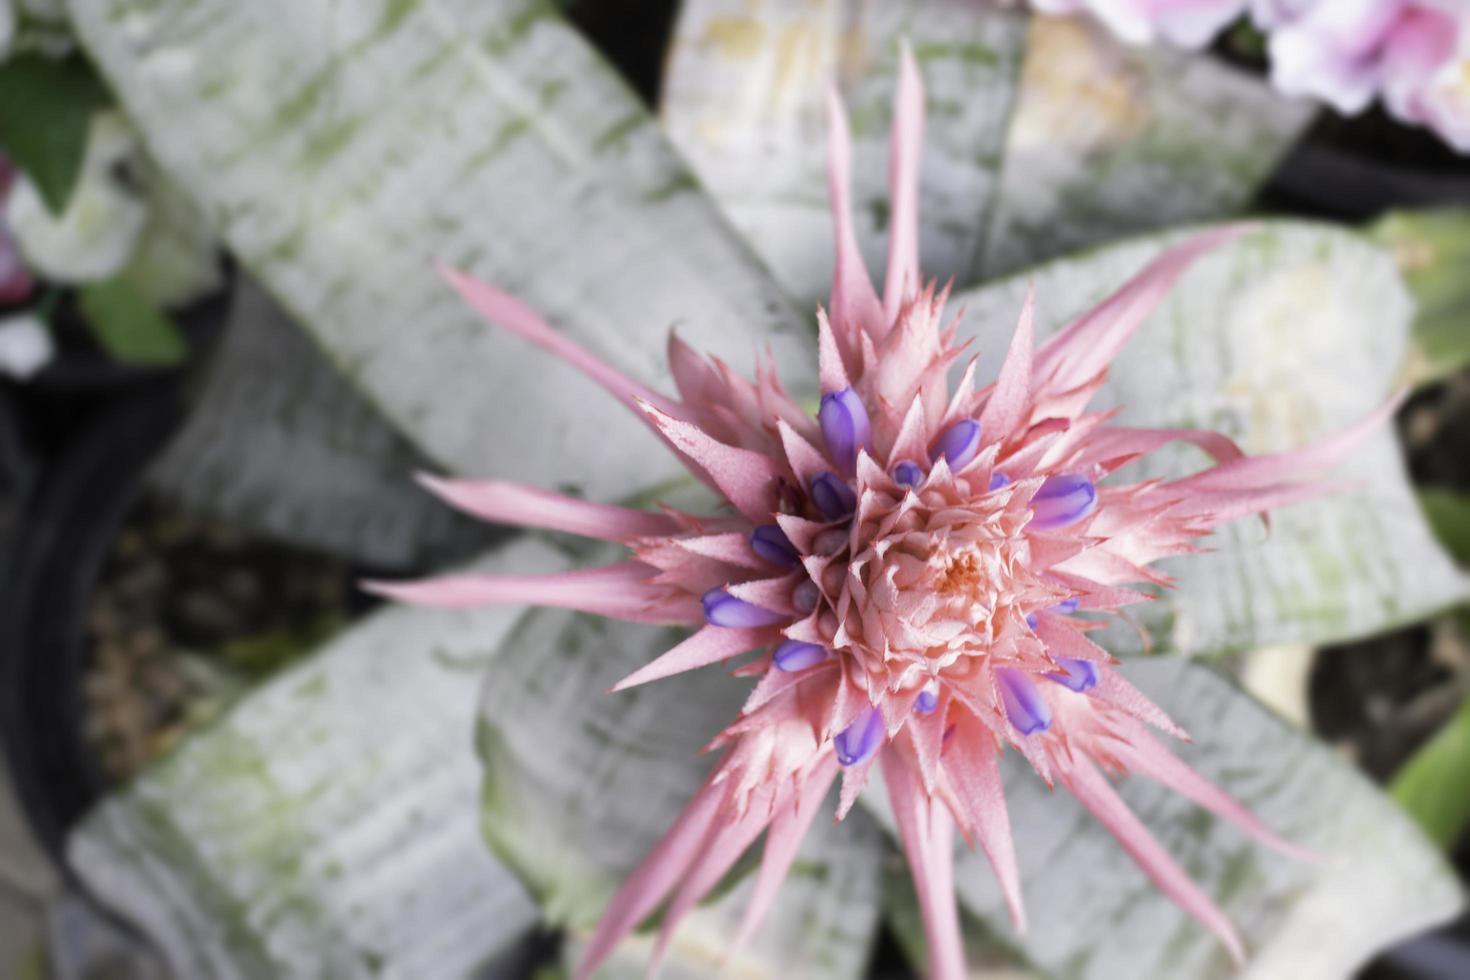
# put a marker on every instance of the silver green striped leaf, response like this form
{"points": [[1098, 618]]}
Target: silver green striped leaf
{"points": [[744, 100], [1093, 914], [278, 442], [343, 148], [580, 784], [1286, 335], [326, 826], [1110, 140]]}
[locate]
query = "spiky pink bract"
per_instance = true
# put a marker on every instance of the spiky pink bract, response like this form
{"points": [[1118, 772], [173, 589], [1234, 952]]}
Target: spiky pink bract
{"points": [[934, 547]]}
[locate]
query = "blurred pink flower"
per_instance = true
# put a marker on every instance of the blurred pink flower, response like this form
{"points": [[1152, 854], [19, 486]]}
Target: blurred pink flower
{"points": [[1427, 72], [1414, 54], [910, 565], [1347, 52], [16, 282]]}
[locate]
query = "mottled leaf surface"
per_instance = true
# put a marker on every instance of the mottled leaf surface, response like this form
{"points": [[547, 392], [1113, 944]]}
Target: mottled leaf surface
{"points": [[279, 442], [580, 784], [342, 149], [1287, 335], [1108, 140], [1093, 914], [326, 826], [744, 100]]}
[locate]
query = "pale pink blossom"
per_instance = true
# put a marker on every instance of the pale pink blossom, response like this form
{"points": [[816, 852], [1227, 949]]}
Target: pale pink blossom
{"points": [[917, 571], [1414, 54], [1427, 73]]}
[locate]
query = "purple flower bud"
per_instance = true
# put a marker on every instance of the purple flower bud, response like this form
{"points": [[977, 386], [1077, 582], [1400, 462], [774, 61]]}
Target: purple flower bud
{"points": [[857, 742], [1079, 675], [794, 655], [928, 699], [845, 427], [833, 497], [1025, 707], [998, 480], [907, 473], [771, 543], [1062, 500], [805, 596], [723, 609], [958, 444]]}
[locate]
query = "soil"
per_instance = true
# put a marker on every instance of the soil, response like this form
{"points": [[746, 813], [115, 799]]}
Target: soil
{"points": [[189, 613]]}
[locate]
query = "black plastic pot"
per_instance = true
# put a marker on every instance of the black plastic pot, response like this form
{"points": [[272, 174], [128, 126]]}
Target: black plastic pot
{"points": [[84, 431], [51, 570]]}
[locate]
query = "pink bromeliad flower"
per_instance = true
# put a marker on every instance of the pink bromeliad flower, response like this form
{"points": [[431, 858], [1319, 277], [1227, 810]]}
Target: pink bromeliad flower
{"points": [[919, 567]]}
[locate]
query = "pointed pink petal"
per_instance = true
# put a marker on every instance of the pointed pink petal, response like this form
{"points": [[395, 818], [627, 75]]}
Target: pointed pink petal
{"points": [[770, 593], [1090, 343], [618, 591], [697, 381], [730, 547], [774, 683], [904, 150], [746, 478], [710, 645], [1063, 639], [831, 371], [805, 460], [1115, 444], [654, 878], [1144, 754], [912, 442], [854, 778], [855, 307], [1268, 468], [729, 837], [1227, 505], [513, 315], [974, 777], [927, 833], [782, 842], [1010, 402], [1094, 792], [517, 504]]}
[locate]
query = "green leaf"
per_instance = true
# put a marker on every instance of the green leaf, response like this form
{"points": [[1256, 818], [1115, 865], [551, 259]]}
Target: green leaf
{"points": [[1448, 513], [1093, 914], [580, 784], [743, 98], [325, 826], [1434, 785], [128, 327], [45, 108], [341, 162], [1432, 249], [1109, 139], [1286, 335]]}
